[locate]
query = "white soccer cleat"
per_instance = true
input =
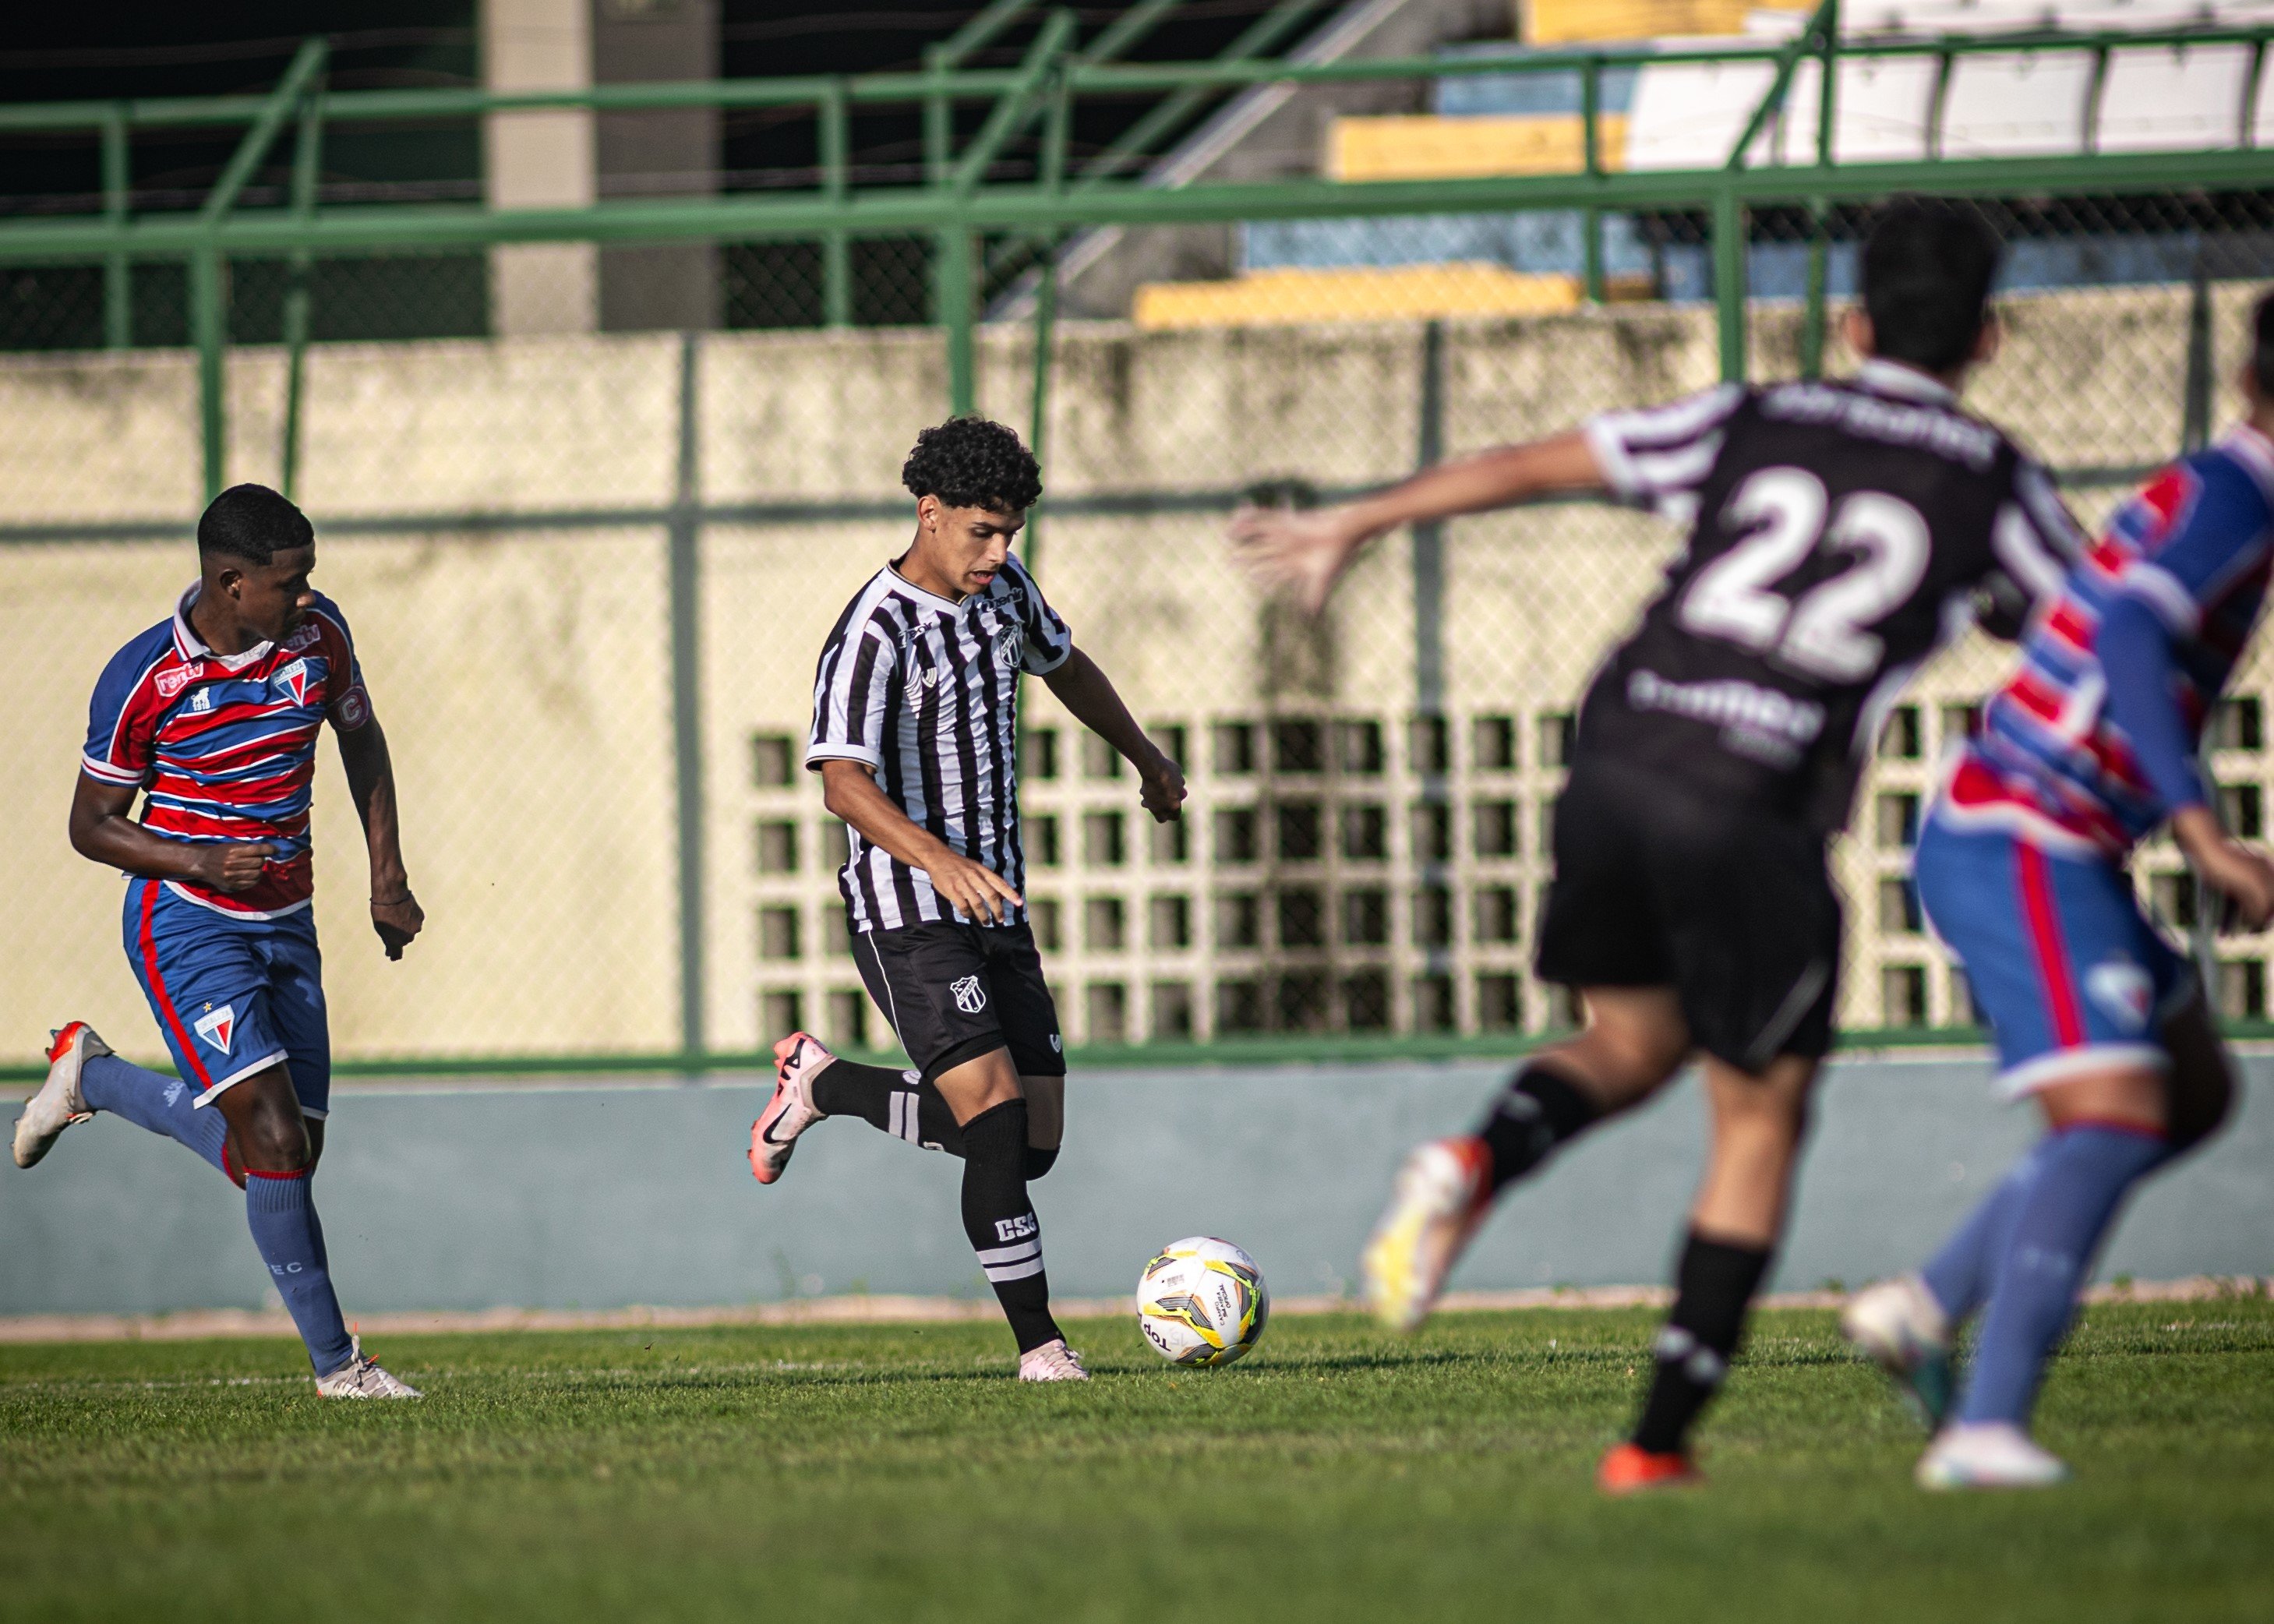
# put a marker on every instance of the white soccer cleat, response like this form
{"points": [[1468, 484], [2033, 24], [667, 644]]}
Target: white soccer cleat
{"points": [[59, 1104], [1899, 1327], [1053, 1361], [1988, 1454], [1441, 1195], [791, 1111], [362, 1377]]}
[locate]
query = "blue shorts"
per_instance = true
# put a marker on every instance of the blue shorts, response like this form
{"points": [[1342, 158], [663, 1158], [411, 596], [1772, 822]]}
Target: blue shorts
{"points": [[233, 996], [2065, 968]]}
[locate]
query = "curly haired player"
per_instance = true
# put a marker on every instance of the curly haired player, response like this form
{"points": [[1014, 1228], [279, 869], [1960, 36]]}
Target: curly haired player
{"points": [[915, 737]]}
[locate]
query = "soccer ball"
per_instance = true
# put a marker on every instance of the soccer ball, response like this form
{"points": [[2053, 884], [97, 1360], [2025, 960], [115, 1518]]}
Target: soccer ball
{"points": [[1202, 1302]]}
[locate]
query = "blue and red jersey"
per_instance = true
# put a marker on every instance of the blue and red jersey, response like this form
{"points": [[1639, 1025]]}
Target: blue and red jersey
{"points": [[225, 745], [2054, 761]]}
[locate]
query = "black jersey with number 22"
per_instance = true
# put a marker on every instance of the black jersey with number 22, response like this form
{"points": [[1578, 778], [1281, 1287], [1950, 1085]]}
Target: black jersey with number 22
{"points": [[1841, 532]]}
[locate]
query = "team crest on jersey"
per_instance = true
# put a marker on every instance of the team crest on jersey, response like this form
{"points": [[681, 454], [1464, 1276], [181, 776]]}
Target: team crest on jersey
{"points": [[172, 682], [1006, 654], [2123, 991], [970, 996], [295, 680], [218, 1026]]}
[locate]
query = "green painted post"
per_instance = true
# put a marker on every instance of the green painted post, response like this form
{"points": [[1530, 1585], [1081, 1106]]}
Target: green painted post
{"points": [[1729, 280], [836, 246], [952, 296], [1055, 132], [117, 269], [307, 156], [687, 709], [1591, 92], [209, 332]]}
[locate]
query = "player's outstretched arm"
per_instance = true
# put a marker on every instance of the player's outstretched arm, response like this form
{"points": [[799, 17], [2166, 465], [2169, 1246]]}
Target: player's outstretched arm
{"points": [[1086, 691], [1305, 553], [395, 913], [849, 789], [101, 831]]}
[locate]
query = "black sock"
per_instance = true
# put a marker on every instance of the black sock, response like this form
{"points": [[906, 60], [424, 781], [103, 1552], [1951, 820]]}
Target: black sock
{"points": [[1001, 1223], [892, 1101], [1535, 1113], [1713, 1282], [1040, 1160]]}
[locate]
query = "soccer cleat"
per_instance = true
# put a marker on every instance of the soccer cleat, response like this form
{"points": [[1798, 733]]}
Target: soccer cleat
{"points": [[1441, 1195], [1988, 1454], [1629, 1469], [790, 1112], [1899, 1327], [58, 1103], [362, 1377], [1053, 1361]]}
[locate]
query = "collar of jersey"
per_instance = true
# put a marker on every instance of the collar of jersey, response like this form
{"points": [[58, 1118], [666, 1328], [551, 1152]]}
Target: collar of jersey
{"points": [[926, 595], [1884, 376], [187, 644]]}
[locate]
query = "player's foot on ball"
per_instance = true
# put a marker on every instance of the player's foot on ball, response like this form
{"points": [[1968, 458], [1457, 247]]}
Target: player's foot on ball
{"points": [[361, 1376], [1899, 1327], [791, 1111], [1629, 1469], [1443, 1193], [59, 1104], [1053, 1361], [1988, 1454]]}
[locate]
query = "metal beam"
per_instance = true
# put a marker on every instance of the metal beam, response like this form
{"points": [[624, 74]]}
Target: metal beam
{"points": [[306, 64], [1018, 104], [773, 216], [1127, 29], [1263, 34], [1787, 60], [981, 31]]}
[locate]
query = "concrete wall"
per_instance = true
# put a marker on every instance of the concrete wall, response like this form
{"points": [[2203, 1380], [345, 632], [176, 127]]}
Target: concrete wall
{"points": [[494, 517], [610, 1196]]}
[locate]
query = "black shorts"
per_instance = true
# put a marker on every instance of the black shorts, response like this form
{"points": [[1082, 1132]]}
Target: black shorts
{"points": [[955, 992], [1660, 884]]}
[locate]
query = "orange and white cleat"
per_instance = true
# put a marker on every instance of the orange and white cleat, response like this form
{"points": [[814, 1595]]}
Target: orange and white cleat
{"points": [[59, 1104], [1629, 1469], [1442, 1194], [791, 1111]]}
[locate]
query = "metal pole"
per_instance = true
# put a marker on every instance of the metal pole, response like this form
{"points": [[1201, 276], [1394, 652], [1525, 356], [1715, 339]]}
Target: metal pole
{"points": [[1729, 280], [836, 246], [209, 332], [952, 294], [1429, 536], [687, 708], [117, 269], [1055, 132], [306, 166], [1828, 121], [1591, 95]]}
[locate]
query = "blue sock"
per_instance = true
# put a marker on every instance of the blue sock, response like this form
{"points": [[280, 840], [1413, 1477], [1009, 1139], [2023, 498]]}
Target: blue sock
{"points": [[164, 1105], [1958, 1276], [2081, 1182], [281, 1210]]}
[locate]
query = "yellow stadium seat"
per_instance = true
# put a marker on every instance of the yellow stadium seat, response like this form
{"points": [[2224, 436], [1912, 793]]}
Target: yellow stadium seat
{"points": [[1355, 293], [1428, 148]]}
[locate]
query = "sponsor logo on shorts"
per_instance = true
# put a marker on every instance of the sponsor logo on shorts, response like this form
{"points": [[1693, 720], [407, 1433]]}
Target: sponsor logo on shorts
{"points": [[2123, 990], [970, 996], [217, 1026], [1058, 1046], [1755, 721]]}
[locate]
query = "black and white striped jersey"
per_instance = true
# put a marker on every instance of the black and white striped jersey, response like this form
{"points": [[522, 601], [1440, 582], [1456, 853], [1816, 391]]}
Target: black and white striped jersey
{"points": [[926, 692], [1840, 532]]}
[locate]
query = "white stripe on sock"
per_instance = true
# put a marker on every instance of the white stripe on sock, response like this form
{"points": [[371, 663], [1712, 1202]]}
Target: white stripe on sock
{"points": [[1005, 1273], [1012, 1253]]}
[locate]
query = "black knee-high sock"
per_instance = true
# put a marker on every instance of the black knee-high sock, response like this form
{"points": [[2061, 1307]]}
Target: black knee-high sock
{"points": [[892, 1101], [1535, 1113], [1001, 1223], [1713, 1282]]}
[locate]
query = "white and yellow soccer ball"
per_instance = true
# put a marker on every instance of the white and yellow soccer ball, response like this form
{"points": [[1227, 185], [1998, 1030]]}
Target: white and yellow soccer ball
{"points": [[1202, 1301]]}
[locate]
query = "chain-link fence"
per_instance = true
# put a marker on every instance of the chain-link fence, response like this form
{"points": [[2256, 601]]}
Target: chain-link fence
{"points": [[590, 565]]}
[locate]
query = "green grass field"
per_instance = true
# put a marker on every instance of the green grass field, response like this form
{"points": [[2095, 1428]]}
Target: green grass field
{"points": [[898, 1473]]}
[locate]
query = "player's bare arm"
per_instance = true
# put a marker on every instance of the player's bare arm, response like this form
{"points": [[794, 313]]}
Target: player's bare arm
{"points": [[1089, 694], [850, 790], [395, 913], [1305, 553], [101, 831]]}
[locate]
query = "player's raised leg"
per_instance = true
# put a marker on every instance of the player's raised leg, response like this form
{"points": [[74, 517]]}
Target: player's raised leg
{"points": [[1635, 1040]]}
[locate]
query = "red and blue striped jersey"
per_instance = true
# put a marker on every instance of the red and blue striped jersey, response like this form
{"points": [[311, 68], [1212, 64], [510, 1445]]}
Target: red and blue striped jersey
{"points": [[223, 746], [2195, 547]]}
